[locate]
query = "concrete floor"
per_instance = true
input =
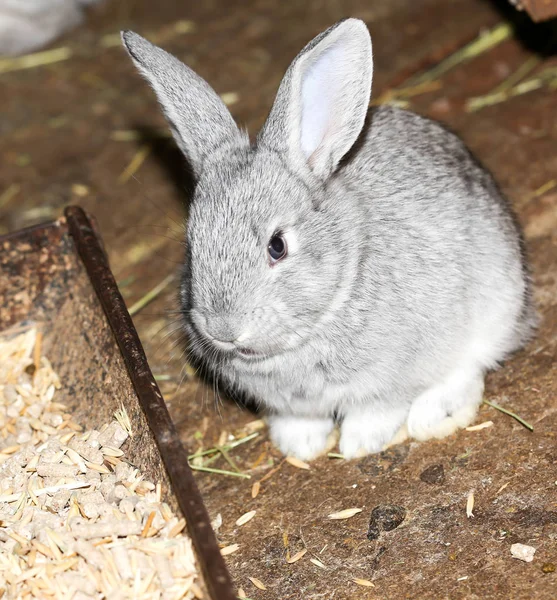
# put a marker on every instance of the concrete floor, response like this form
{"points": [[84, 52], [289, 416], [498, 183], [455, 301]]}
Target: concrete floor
{"points": [[61, 129]]}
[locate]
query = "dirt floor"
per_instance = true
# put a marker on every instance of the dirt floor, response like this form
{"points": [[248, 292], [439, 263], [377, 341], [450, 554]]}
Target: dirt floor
{"points": [[87, 130]]}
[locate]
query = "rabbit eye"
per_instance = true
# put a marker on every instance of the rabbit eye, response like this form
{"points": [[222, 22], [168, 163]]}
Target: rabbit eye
{"points": [[277, 248]]}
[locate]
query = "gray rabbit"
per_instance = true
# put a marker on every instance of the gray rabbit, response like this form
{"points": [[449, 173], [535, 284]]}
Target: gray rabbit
{"points": [[351, 265]]}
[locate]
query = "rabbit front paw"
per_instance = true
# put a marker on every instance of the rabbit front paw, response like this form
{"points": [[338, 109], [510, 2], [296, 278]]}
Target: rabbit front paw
{"points": [[302, 437], [450, 405], [368, 430]]}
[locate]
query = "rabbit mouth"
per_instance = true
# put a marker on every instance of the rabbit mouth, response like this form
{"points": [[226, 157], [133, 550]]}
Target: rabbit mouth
{"points": [[249, 354]]}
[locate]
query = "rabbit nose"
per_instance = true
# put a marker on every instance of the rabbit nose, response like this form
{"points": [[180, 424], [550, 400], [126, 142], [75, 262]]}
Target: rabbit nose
{"points": [[220, 329], [222, 332]]}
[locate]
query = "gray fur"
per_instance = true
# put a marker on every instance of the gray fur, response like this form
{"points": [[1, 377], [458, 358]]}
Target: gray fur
{"points": [[406, 280], [200, 122]]}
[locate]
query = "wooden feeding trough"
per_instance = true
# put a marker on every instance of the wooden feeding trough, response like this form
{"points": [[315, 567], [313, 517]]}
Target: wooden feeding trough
{"points": [[57, 276]]}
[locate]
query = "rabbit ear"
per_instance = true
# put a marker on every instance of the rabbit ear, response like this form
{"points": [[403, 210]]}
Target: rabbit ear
{"points": [[323, 99], [199, 120]]}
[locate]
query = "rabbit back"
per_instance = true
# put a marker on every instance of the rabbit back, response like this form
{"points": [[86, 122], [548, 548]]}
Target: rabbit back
{"points": [[440, 234]]}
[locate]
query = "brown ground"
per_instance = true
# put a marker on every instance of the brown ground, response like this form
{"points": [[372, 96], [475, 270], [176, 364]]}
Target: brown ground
{"points": [[57, 125]]}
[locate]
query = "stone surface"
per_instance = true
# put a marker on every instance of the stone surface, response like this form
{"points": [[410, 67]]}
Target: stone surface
{"points": [[385, 517]]}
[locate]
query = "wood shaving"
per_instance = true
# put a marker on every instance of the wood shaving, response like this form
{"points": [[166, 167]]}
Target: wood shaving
{"points": [[229, 549], [483, 425], [297, 556], [246, 517], [347, 513], [257, 583], [254, 426], [76, 516], [470, 505], [504, 486], [296, 462], [318, 563], [363, 582]]}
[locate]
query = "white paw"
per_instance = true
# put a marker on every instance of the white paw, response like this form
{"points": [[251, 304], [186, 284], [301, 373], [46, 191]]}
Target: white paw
{"points": [[367, 431], [445, 408], [302, 437], [436, 430], [430, 422], [446, 426]]}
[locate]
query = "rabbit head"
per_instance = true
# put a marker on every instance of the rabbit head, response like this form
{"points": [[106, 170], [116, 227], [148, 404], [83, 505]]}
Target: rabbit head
{"points": [[266, 249]]}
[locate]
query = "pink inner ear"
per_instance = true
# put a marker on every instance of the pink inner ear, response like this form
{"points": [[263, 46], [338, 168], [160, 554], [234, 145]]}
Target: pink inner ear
{"points": [[334, 87], [315, 156], [320, 82]]}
